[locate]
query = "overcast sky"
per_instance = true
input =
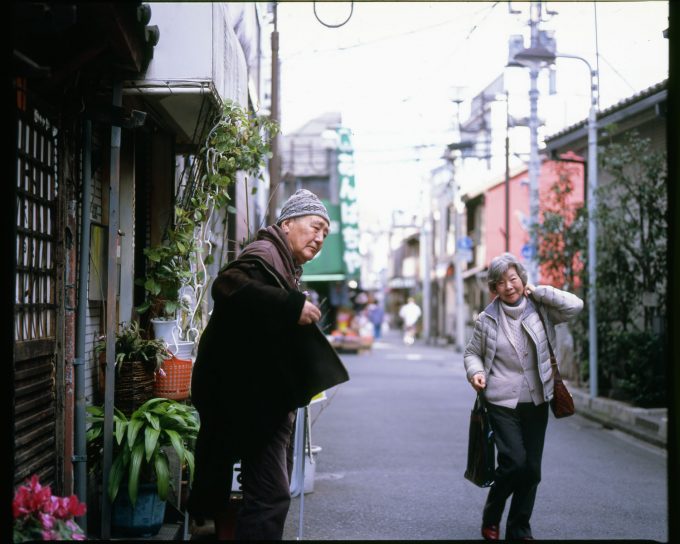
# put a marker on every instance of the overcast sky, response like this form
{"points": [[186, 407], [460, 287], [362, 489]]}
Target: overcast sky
{"points": [[394, 68]]}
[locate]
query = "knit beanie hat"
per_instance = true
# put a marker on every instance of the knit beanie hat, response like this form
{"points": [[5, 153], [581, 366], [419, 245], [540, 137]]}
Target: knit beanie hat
{"points": [[302, 202]]}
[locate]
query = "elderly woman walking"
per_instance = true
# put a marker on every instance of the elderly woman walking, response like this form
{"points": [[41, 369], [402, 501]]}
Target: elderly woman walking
{"points": [[508, 358]]}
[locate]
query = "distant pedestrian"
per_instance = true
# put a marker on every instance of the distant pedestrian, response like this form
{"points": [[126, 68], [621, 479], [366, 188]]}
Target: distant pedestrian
{"points": [[376, 314], [410, 314], [508, 357]]}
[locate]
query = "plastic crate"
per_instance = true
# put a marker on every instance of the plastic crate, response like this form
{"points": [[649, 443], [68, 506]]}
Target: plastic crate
{"points": [[176, 384]]}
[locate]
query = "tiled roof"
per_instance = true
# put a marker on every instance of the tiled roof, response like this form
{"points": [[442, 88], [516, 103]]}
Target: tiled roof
{"points": [[618, 106]]}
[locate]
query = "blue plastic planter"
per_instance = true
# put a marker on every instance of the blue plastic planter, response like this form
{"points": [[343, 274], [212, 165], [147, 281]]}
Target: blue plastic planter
{"points": [[144, 519]]}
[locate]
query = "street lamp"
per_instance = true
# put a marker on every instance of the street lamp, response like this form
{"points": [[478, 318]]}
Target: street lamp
{"points": [[535, 55], [450, 157]]}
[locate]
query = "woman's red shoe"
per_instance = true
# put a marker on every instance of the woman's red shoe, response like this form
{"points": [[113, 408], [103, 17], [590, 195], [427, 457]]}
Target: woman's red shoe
{"points": [[490, 532]]}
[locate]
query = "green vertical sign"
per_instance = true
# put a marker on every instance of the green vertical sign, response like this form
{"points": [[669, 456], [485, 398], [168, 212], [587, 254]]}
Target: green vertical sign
{"points": [[329, 259], [349, 209]]}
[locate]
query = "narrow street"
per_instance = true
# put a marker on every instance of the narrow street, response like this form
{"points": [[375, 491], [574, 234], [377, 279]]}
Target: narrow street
{"points": [[394, 443]]}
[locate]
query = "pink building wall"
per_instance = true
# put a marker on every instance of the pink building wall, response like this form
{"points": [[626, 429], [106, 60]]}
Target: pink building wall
{"points": [[494, 205]]}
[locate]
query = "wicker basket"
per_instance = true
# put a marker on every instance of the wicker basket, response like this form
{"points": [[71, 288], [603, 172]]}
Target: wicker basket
{"points": [[134, 386], [176, 383]]}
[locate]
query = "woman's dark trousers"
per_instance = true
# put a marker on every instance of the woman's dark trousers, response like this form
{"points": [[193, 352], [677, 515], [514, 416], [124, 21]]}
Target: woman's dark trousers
{"points": [[266, 487], [519, 434]]}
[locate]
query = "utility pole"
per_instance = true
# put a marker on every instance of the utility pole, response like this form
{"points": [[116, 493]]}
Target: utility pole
{"points": [[275, 116], [534, 56], [534, 161], [458, 260], [507, 170], [458, 280], [426, 252], [592, 232]]}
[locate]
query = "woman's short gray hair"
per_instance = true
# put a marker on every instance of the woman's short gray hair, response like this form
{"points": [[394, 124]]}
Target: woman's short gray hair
{"points": [[499, 266]]}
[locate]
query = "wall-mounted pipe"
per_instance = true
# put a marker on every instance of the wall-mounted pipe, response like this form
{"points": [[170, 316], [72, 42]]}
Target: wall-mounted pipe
{"points": [[79, 423]]}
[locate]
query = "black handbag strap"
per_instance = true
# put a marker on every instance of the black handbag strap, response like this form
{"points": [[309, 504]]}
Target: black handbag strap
{"points": [[553, 359], [481, 400]]}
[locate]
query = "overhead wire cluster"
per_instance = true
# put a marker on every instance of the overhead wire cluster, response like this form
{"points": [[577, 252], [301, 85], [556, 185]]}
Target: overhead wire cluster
{"points": [[484, 13]]}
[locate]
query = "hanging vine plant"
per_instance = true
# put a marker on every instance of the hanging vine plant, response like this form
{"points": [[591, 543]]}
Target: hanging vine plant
{"points": [[237, 142]]}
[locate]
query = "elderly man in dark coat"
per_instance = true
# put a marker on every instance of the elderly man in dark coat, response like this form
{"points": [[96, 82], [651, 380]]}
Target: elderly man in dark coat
{"points": [[260, 357]]}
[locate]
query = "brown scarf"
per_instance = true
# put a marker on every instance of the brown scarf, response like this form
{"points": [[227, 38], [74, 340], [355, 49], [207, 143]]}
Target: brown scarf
{"points": [[272, 247]]}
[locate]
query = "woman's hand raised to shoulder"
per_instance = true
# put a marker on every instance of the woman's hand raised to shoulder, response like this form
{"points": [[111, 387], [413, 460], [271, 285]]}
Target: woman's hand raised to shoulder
{"points": [[529, 288]]}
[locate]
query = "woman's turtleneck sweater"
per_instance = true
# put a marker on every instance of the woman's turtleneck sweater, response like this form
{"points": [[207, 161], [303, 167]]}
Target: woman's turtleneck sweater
{"points": [[514, 373]]}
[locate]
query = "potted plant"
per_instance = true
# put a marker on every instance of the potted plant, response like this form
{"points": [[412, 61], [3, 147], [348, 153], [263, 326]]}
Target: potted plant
{"points": [[167, 270], [137, 360], [139, 479], [237, 142]]}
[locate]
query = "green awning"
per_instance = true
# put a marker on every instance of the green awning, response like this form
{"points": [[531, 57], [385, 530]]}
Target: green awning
{"points": [[329, 261], [323, 277]]}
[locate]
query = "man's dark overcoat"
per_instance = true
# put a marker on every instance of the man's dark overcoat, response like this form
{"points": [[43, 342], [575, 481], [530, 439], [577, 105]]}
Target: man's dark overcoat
{"points": [[255, 364]]}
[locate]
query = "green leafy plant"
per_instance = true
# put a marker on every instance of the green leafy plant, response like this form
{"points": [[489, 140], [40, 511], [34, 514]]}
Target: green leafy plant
{"points": [[631, 267], [140, 443], [167, 270], [562, 238], [132, 346], [561, 231], [237, 142], [632, 220], [634, 363]]}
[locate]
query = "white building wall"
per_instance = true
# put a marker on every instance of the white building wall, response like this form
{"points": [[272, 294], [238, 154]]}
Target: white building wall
{"points": [[198, 44], [185, 47]]}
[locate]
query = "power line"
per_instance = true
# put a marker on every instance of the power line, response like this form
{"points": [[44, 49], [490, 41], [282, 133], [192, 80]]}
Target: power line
{"points": [[617, 73], [386, 38], [398, 148], [480, 22], [358, 160]]}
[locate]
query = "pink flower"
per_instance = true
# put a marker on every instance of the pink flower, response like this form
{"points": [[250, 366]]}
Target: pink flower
{"points": [[61, 511], [38, 513], [20, 503], [49, 535], [75, 507], [51, 506], [46, 520]]}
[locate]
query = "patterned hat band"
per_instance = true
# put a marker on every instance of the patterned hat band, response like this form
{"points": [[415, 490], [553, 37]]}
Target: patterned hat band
{"points": [[302, 202]]}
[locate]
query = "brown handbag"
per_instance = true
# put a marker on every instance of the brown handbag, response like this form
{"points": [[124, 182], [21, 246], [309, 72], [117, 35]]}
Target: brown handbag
{"points": [[562, 403]]}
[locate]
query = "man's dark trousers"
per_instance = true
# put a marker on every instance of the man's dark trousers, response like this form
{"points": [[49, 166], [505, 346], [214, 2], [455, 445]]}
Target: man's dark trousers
{"points": [[266, 487], [519, 435]]}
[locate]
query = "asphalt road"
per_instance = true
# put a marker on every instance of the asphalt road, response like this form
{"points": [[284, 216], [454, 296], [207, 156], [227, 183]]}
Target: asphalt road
{"points": [[394, 444]]}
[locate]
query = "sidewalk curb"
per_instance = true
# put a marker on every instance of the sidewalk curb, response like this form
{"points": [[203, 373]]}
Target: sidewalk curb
{"points": [[648, 424]]}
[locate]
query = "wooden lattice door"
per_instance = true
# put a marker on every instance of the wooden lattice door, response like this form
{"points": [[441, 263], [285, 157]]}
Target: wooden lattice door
{"points": [[37, 288]]}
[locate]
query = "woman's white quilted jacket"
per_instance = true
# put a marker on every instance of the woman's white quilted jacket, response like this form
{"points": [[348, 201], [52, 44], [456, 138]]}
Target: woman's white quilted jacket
{"points": [[555, 305]]}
